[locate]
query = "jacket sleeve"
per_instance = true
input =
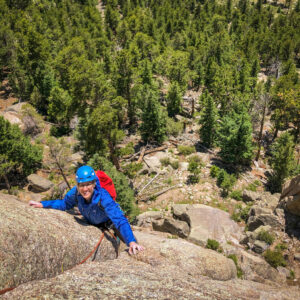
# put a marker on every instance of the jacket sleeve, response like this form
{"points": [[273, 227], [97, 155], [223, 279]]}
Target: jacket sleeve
{"points": [[116, 215], [68, 202]]}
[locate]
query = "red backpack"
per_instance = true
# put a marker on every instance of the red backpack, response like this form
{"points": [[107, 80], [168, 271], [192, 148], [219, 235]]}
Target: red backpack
{"points": [[107, 183]]}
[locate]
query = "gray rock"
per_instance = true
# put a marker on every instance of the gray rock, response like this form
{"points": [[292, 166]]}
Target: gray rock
{"points": [[183, 166], [257, 210], [176, 227], [41, 243], [297, 256], [291, 187], [250, 196], [284, 271], [17, 108], [208, 223], [260, 246], [257, 269], [256, 232], [263, 219], [145, 219], [38, 183]]}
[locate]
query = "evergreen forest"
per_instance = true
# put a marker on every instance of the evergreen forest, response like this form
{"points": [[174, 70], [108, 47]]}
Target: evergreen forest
{"points": [[121, 67]]}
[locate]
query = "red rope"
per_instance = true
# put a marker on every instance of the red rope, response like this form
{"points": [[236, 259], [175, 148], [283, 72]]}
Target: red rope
{"points": [[6, 290]]}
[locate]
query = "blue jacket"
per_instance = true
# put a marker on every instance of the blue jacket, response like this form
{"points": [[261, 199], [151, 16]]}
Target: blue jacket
{"points": [[92, 212]]}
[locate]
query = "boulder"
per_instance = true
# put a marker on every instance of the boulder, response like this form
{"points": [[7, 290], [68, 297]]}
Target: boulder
{"points": [[17, 108], [153, 161], [183, 166], [208, 223], [167, 269], [250, 196], [263, 219], [176, 227], [260, 246], [41, 243], [38, 183], [291, 187], [257, 269], [145, 219], [292, 204]]}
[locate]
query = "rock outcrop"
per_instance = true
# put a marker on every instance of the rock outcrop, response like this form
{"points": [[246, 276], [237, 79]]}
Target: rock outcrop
{"points": [[40, 243], [38, 183], [290, 196], [208, 223]]}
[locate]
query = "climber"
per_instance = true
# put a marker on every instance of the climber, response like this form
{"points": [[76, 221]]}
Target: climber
{"points": [[95, 204]]}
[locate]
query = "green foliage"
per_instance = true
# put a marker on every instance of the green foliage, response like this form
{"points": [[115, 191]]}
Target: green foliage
{"points": [[208, 130], [173, 128], [214, 171], [225, 181], [237, 195], [266, 237], [132, 169], [236, 139], [175, 164], [194, 168], [186, 150], [17, 155], [165, 161], [174, 100], [281, 246], [235, 260], [153, 128], [282, 161], [127, 150], [213, 245], [125, 195], [274, 258], [253, 186], [241, 213]]}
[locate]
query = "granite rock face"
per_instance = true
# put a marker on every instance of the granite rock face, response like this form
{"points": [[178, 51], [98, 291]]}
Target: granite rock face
{"points": [[41, 243], [145, 276], [208, 223], [38, 183]]}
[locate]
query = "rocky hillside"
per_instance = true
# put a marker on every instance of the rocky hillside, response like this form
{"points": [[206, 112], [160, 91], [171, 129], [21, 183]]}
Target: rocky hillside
{"points": [[40, 251]]}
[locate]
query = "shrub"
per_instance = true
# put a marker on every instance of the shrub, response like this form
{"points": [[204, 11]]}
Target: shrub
{"points": [[175, 164], [131, 169], [241, 213], [281, 246], [214, 171], [235, 260], [266, 237], [225, 181], [253, 186], [127, 150], [195, 168], [186, 150], [212, 244], [165, 161], [237, 195], [274, 258], [173, 128]]}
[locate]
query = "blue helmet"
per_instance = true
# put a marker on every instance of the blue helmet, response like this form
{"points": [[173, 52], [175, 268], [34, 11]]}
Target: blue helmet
{"points": [[85, 173]]}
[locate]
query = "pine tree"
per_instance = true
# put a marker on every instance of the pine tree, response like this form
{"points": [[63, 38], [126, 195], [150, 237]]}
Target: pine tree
{"points": [[153, 128], [174, 99], [17, 155], [236, 138], [208, 130], [282, 161]]}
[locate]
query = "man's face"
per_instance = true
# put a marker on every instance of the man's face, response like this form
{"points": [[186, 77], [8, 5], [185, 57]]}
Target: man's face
{"points": [[86, 189]]}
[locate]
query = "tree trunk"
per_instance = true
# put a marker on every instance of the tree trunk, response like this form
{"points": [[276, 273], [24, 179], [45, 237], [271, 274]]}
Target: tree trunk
{"points": [[113, 156], [7, 183]]}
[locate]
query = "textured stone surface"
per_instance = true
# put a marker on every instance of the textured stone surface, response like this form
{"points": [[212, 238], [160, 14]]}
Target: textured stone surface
{"points": [[257, 269], [208, 223], [260, 246], [41, 243], [144, 277], [263, 219], [250, 196], [291, 187], [177, 227], [38, 183], [145, 219]]}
